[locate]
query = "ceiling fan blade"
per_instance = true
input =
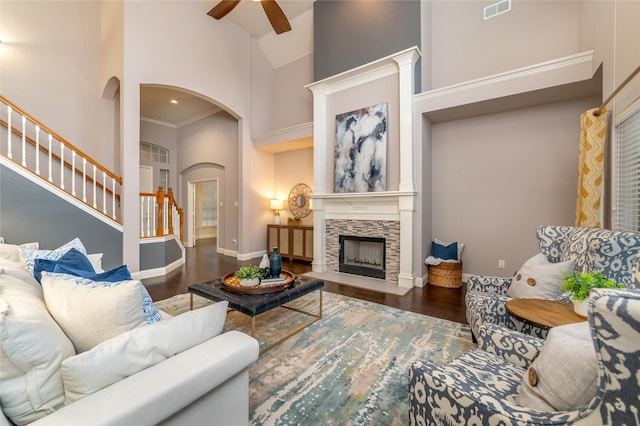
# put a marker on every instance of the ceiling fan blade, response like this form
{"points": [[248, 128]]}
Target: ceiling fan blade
{"points": [[276, 16], [221, 9]]}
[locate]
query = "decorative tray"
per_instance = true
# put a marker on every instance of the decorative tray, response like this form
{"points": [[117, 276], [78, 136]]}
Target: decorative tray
{"points": [[232, 284]]}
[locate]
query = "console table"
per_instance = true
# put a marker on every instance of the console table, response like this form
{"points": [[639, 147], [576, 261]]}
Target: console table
{"points": [[293, 241]]}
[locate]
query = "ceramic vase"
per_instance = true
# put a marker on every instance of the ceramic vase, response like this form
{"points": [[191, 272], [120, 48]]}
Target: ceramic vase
{"points": [[264, 266], [275, 263]]}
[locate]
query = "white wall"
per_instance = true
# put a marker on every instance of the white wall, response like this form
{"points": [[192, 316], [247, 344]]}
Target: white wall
{"points": [[208, 149], [292, 103], [611, 29], [52, 68], [465, 47], [203, 55], [498, 176]]}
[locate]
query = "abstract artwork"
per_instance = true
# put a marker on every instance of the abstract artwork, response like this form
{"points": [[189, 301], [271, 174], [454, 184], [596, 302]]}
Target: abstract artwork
{"points": [[361, 150]]}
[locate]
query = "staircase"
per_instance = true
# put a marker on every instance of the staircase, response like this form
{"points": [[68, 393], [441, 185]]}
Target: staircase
{"points": [[37, 149], [34, 151]]}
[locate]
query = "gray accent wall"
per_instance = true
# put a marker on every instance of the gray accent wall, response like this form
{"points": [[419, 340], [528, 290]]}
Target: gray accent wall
{"points": [[348, 34], [159, 254], [30, 213]]}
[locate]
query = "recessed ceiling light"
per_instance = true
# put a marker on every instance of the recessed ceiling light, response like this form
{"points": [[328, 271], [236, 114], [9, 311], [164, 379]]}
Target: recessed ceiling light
{"points": [[174, 101]]}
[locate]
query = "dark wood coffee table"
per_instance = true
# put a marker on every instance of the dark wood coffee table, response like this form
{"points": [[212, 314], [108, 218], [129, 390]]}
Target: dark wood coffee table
{"points": [[256, 304], [543, 313]]}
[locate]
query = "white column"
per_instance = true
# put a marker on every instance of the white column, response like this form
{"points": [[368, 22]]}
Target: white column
{"points": [[406, 65], [320, 171]]}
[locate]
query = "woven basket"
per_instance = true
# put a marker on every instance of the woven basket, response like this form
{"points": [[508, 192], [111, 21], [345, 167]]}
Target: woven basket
{"points": [[446, 274]]}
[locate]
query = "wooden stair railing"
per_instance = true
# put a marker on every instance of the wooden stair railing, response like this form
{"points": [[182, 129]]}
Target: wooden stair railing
{"points": [[160, 214], [48, 161]]}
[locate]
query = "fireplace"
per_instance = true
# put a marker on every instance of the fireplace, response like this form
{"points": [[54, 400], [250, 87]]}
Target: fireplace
{"points": [[362, 256]]}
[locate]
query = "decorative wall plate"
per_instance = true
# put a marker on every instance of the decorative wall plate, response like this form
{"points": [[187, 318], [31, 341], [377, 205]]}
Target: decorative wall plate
{"points": [[299, 200]]}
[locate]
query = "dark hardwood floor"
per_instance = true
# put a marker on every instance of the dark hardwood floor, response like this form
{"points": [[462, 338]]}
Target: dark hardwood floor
{"points": [[203, 264]]}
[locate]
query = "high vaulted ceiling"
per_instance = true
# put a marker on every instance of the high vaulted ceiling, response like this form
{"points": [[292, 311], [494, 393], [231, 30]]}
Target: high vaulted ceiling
{"points": [[155, 102], [250, 16]]}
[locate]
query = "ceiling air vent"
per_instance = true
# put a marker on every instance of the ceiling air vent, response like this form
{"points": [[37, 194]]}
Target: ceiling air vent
{"points": [[496, 9]]}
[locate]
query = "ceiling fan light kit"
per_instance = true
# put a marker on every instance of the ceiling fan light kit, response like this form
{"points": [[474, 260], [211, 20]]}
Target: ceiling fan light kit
{"points": [[274, 13]]}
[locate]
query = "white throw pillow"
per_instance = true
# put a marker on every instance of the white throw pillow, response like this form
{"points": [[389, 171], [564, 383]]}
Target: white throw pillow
{"points": [[96, 262], [133, 351], [539, 279], [564, 376], [32, 348], [90, 315], [11, 252]]}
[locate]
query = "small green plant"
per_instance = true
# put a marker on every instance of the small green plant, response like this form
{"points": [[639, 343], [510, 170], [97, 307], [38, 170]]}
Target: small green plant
{"points": [[581, 283], [248, 272]]}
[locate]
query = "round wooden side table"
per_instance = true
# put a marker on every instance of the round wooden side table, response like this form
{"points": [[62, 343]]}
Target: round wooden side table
{"points": [[543, 313]]}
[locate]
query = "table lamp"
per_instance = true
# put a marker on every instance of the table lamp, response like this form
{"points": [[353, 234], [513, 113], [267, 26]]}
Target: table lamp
{"points": [[276, 206]]}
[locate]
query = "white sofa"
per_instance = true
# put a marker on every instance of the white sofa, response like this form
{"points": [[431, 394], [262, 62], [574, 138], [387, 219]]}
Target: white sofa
{"points": [[208, 383]]}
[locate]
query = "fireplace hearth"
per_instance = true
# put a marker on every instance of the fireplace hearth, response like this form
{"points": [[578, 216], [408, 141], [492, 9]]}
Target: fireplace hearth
{"points": [[362, 256]]}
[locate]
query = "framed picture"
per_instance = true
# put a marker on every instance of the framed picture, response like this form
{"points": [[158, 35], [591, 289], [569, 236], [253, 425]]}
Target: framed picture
{"points": [[361, 150]]}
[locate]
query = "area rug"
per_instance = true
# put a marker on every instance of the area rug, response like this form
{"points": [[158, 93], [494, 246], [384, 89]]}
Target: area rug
{"points": [[349, 368]]}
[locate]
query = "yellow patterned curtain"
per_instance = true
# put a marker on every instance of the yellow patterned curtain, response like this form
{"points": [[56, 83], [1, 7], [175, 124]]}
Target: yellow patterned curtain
{"points": [[593, 131]]}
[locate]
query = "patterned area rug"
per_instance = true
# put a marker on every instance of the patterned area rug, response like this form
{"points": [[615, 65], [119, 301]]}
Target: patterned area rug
{"points": [[350, 367]]}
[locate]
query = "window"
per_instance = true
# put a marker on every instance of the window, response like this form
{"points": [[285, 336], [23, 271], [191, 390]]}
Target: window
{"points": [[164, 179], [627, 210], [153, 153]]}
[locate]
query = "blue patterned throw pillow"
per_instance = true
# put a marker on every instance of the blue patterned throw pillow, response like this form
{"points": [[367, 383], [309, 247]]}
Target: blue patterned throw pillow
{"points": [[29, 256]]}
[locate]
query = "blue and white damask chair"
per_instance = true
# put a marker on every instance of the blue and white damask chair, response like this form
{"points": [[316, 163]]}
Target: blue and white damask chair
{"points": [[614, 253], [583, 374]]}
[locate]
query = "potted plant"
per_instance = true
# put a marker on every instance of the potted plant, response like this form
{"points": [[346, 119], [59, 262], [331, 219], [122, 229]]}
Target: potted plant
{"points": [[249, 275], [580, 284]]}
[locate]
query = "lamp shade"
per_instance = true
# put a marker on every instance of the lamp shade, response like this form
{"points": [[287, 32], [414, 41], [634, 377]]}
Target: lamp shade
{"points": [[276, 204]]}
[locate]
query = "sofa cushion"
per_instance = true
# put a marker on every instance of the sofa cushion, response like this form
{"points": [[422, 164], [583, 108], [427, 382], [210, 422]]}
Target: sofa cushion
{"points": [[615, 255], [576, 247], [91, 312], [552, 239], [564, 376], [32, 349], [135, 350], [73, 260], [29, 257], [539, 279]]}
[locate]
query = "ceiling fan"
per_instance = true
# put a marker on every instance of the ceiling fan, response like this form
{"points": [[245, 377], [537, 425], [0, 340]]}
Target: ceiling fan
{"points": [[276, 16]]}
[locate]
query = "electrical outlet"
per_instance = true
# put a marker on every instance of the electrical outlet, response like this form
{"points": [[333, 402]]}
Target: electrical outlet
{"points": [[234, 241], [501, 264]]}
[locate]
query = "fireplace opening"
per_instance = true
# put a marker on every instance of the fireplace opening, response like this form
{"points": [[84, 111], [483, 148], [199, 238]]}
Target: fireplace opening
{"points": [[362, 256]]}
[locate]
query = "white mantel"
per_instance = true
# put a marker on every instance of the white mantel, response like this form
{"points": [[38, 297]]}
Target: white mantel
{"points": [[393, 205]]}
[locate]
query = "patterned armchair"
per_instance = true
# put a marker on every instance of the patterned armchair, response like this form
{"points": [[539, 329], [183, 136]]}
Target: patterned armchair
{"points": [[614, 253], [481, 386]]}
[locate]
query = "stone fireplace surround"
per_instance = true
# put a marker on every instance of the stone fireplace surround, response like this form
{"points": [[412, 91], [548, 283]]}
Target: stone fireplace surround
{"points": [[389, 230]]}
